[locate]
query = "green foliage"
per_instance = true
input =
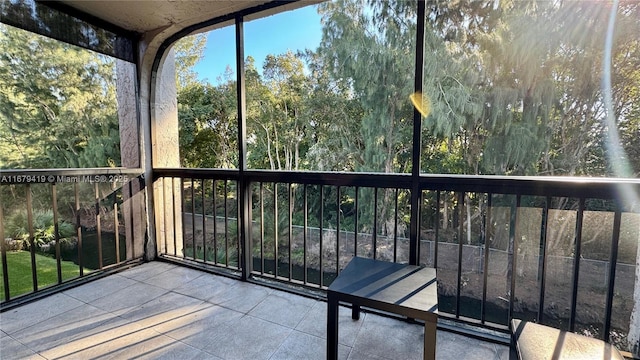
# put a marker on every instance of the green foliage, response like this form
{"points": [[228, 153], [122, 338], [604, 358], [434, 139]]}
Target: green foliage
{"points": [[219, 256], [17, 227], [514, 88], [518, 83], [333, 118], [357, 39], [207, 117], [277, 112], [188, 52], [58, 107]]}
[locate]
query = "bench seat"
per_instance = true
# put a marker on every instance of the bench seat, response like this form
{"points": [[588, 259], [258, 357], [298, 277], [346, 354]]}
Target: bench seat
{"points": [[539, 342]]}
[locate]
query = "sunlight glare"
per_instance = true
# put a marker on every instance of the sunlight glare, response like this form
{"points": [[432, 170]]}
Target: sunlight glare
{"points": [[422, 103]]}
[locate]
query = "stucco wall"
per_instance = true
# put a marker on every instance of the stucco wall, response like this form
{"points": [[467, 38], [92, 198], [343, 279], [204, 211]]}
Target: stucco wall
{"points": [[133, 206]]}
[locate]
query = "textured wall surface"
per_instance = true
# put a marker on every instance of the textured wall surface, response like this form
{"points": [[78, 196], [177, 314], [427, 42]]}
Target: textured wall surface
{"points": [[165, 144], [164, 105], [134, 206], [127, 114]]}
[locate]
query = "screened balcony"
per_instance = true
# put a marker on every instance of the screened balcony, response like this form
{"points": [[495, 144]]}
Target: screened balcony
{"points": [[178, 216]]}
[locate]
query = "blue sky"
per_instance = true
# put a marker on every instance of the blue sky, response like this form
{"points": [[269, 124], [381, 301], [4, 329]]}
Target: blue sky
{"points": [[292, 30]]}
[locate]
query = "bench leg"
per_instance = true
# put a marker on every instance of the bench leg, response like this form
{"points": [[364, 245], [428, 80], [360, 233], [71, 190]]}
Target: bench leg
{"points": [[430, 340], [513, 352], [332, 328], [355, 312]]}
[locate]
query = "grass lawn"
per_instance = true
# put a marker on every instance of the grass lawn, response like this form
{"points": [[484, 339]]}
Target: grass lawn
{"points": [[19, 268]]}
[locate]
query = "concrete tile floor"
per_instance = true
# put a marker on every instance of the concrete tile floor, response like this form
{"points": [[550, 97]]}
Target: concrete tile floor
{"points": [[163, 311]]}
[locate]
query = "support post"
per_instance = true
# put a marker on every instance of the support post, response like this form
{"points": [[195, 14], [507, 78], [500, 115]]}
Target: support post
{"points": [[244, 185], [414, 227]]}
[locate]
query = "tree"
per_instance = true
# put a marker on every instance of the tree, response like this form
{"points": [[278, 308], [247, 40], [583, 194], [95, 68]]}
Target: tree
{"points": [[332, 113], [207, 118], [275, 115], [57, 104], [379, 36], [189, 50], [371, 49], [535, 73], [207, 114]]}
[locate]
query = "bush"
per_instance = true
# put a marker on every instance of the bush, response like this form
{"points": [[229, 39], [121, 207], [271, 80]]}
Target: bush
{"points": [[17, 227]]}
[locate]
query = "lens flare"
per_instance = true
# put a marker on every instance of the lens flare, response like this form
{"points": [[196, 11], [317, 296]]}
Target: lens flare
{"points": [[422, 103], [617, 156]]}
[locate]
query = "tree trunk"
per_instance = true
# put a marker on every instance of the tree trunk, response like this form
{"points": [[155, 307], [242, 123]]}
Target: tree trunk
{"points": [[277, 149], [273, 167], [445, 211], [634, 322], [287, 158], [297, 155]]}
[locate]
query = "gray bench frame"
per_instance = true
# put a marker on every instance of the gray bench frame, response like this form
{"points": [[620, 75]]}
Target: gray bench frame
{"points": [[401, 289]]}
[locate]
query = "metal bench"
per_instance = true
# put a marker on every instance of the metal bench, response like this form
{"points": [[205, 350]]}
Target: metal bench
{"points": [[533, 341], [401, 289]]}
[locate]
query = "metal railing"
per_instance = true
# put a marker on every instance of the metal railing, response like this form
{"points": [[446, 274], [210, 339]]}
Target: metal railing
{"points": [[496, 241], [203, 239], [72, 223]]}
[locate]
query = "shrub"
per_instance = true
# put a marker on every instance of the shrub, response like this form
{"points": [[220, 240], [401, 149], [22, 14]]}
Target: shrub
{"points": [[17, 227]]}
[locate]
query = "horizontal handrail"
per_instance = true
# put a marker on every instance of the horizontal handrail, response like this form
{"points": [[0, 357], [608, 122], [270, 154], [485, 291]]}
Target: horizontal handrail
{"points": [[587, 187]]}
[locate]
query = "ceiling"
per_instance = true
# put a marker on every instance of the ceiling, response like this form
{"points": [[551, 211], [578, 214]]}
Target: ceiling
{"points": [[151, 15]]}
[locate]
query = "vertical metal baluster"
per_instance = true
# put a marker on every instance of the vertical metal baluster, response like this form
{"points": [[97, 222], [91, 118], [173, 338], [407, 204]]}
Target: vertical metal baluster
{"points": [[5, 267], [142, 185], [514, 252], [204, 221], [98, 224], [174, 208], [421, 214], [290, 230], [132, 222], [355, 225], [321, 233], [261, 228], [375, 222], [437, 232], [56, 230], [164, 213], [485, 278], [79, 228], [395, 230], [304, 236], [184, 225], [240, 207], [215, 223], [116, 227], [461, 205], [613, 261], [576, 264], [338, 230], [226, 224], [32, 238], [193, 219], [275, 228], [542, 264]]}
